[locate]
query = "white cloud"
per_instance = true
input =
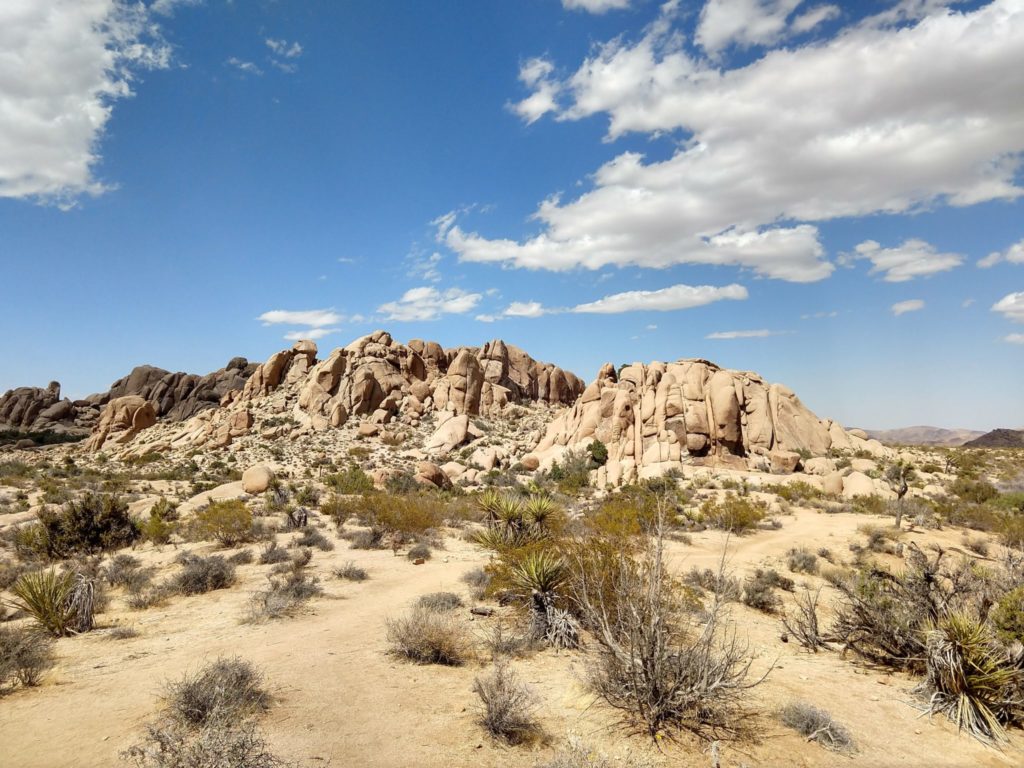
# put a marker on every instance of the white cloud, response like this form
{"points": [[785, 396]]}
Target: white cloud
{"points": [[425, 266], [878, 119], [1014, 338], [810, 19], [283, 48], [966, 303], [819, 315], [1011, 307], [595, 6], [663, 300], [914, 258], [651, 327], [524, 309], [743, 22], [535, 74], [486, 318], [247, 67], [168, 7], [428, 303], [911, 305], [1012, 255], [310, 333], [758, 334], [63, 66], [315, 318]]}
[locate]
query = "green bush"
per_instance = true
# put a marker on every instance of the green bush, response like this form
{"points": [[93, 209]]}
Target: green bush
{"points": [[733, 513], [1008, 616], [977, 491], [94, 523], [45, 596], [351, 480], [598, 452], [161, 523], [229, 522]]}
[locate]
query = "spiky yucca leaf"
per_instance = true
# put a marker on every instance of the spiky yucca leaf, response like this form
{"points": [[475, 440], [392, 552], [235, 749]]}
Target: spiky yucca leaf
{"points": [[45, 596], [488, 502], [503, 538], [970, 679], [540, 508], [542, 571]]}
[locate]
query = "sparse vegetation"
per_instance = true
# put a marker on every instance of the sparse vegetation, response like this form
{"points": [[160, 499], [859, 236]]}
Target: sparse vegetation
{"points": [[203, 574], [228, 522], [59, 601], [428, 637], [351, 572], [439, 602], [507, 706], [736, 514], [817, 725], [25, 654]]}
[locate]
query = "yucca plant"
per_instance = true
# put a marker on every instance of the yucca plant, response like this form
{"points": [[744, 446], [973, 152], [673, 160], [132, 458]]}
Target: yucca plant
{"points": [[970, 679], [540, 508], [542, 571], [501, 538], [45, 595]]}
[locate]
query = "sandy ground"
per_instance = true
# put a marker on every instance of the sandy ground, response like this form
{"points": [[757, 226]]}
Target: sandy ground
{"points": [[341, 700]]}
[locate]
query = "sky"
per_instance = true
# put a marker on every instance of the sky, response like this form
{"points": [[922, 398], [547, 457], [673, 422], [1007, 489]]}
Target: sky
{"points": [[827, 194]]}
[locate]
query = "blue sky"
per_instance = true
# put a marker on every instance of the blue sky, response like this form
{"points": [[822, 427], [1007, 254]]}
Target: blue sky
{"points": [[796, 188]]}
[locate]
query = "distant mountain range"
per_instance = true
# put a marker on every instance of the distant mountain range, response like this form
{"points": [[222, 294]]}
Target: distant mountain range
{"points": [[922, 435], [999, 438]]}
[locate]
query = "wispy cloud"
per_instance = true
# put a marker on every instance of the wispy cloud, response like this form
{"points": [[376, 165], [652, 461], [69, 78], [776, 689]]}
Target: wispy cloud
{"points": [[429, 303], [1012, 255], [910, 305], [758, 334], [914, 258], [315, 318], [595, 6], [310, 333], [241, 65], [283, 48], [1014, 338]]}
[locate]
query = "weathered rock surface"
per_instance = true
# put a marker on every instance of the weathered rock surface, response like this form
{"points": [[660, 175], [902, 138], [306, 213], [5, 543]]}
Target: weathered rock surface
{"points": [[121, 420], [655, 417], [38, 409], [257, 479]]}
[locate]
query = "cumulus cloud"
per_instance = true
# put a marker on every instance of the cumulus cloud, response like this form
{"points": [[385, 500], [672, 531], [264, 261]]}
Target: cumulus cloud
{"points": [[428, 303], [310, 333], [1014, 338], [743, 22], [1012, 255], [595, 6], [663, 300], [1011, 307], [525, 309], [314, 318], [535, 74], [758, 334], [881, 118], [168, 7], [911, 305], [914, 258], [63, 66]]}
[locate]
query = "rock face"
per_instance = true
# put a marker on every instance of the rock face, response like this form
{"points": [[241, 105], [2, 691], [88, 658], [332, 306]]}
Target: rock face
{"points": [[122, 419], [655, 417], [257, 479], [37, 409]]}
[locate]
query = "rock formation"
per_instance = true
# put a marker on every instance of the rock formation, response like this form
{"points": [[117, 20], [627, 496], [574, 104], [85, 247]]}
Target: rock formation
{"points": [[122, 419], [35, 409], [653, 417]]}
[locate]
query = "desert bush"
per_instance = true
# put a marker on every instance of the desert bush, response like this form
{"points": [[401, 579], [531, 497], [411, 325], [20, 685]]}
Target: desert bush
{"points": [[795, 492], [478, 580], [228, 522], [502, 643], [727, 589], [94, 523], [365, 539], [803, 624], [759, 592], [880, 539], [976, 491], [241, 557], [419, 552], [273, 553], [439, 602], [25, 654], [1008, 616], [283, 596], [428, 637], [508, 708], [351, 572], [733, 513], [10, 571], [976, 544], [970, 679], [223, 690], [625, 514], [817, 725], [122, 633], [203, 574], [58, 601], [126, 571], [653, 664], [577, 754], [802, 560], [307, 494], [598, 452], [160, 524], [312, 537], [222, 744], [572, 474]]}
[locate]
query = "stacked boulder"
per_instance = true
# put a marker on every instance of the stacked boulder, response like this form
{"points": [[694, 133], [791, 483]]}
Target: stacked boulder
{"points": [[655, 417], [38, 409]]}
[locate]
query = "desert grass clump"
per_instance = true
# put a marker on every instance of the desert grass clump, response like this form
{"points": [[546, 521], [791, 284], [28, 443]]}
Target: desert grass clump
{"points": [[970, 679], [274, 553], [817, 725], [25, 654], [419, 552], [759, 590], [283, 596], [241, 557], [504, 644], [428, 637], [439, 601], [802, 560], [508, 707], [122, 633], [478, 580], [725, 587], [126, 571], [351, 572], [225, 689], [577, 754], [60, 602], [312, 537], [203, 574]]}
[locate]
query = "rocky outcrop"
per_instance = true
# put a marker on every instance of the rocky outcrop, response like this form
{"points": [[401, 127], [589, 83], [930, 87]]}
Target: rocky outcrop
{"points": [[655, 417], [35, 409], [121, 420]]}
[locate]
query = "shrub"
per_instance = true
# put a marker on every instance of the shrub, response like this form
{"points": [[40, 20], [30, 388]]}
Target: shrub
{"points": [[52, 599], [439, 602], [428, 637], [759, 592], [478, 580], [508, 707], [733, 513], [311, 537], [228, 522], [504, 644], [203, 574], [351, 480], [419, 552], [1008, 616], [24, 655], [161, 523], [273, 553], [577, 754], [598, 453], [366, 539], [977, 491], [126, 571], [223, 690], [803, 625], [241, 557], [817, 725], [307, 494], [976, 544], [351, 572], [802, 560], [171, 744], [727, 589], [94, 523], [970, 679], [283, 596], [122, 633]]}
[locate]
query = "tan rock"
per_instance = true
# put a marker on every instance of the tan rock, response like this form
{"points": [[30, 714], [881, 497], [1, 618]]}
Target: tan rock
{"points": [[257, 479], [858, 484], [428, 473], [368, 429]]}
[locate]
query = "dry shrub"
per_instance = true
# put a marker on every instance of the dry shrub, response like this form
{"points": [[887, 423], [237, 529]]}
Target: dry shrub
{"points": [[759, 590], [122, 633], [439, 601], [736, 514], [24, 655], [428, 637], [502, 643], [203, 574], [803, 624], [241, 557], [577, 754], [228, 522], [312, 537], [802, 560], [126, 571], [274, 553], [817, 725], [419, 552], [351, 572], [508, 708], [225, 689], [654, 664], [478, 580], [725, 587], [283, 596]]}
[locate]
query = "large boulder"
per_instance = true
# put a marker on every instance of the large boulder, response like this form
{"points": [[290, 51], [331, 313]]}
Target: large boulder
{"points": [[257, 479], [858, 484], [451, 433], [121, 420]]}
